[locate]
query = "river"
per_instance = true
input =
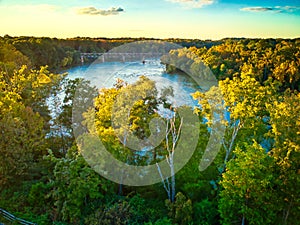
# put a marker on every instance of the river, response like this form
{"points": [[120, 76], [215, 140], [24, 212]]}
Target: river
{"points": [[104, 75]]}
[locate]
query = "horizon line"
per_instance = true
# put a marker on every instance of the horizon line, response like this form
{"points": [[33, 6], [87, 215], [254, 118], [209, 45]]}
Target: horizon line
{"points": [[154, 38]]}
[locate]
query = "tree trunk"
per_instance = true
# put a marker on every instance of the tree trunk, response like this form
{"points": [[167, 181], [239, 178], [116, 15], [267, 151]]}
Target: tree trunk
{"points": [[173, 187]]}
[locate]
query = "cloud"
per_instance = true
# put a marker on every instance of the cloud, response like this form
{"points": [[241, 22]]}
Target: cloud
{"points": [[277, 9], [287, 8], [257, 9], [193, 3], [93, 11]]}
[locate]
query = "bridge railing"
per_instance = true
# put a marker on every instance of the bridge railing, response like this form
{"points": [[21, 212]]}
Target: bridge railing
{"points": [[13, 218], [123, 55]]}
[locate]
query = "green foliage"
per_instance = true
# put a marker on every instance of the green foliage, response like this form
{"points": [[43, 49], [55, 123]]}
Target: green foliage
{"points": [[11, 59], [62, 137], [164, 221], [205, 212], [46, 51], [112, 123], [23, 118], [285, 123], [39, 196], [269, 58], [125, 210], [249, 187], [21, 147], [76, 187], [181, 210]]}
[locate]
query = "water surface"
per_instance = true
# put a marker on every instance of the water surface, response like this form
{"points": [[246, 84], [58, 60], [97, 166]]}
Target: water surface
{"points": [[104, 75]]}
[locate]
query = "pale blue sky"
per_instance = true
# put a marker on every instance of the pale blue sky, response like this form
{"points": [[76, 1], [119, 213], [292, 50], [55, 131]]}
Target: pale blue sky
{"points": [[202, 19]]}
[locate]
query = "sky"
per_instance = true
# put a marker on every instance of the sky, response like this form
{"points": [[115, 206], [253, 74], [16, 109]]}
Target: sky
{"points": [[192, 19]]}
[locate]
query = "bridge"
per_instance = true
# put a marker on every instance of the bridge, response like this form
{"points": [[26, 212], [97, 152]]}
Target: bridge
{"points": [[120, 56]]}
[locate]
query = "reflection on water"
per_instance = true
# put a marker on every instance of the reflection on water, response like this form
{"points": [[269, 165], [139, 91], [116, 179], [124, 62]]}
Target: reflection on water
{"points": [[105, 74]]}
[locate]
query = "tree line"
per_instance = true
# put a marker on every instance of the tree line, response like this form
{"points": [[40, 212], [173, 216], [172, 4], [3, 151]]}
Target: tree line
{"points": [[60, 54]]}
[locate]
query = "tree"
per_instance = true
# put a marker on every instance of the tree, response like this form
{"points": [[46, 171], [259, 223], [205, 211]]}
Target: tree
{"points": [[21, 146], [245, 102], [180, 211], [76, 187], [23, 112], [126, 120], [273, 116], [172, 133], [11, 59], [285, 121], [249, 190], [62, 137]]}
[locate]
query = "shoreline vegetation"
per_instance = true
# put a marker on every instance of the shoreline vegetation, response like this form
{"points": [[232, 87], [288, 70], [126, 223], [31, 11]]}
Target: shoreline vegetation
{"points": [[225, 57], [255, 178], [68, 50]]}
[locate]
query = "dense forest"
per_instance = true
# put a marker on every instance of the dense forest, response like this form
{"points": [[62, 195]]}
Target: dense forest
{"points": [[255, 178], [64, 53]]}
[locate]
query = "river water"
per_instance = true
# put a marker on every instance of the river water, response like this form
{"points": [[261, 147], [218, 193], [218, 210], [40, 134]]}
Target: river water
{"points": [[104, 75]]}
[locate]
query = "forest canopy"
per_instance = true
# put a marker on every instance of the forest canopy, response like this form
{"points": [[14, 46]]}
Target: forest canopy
{"points": [[255, 178]]}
